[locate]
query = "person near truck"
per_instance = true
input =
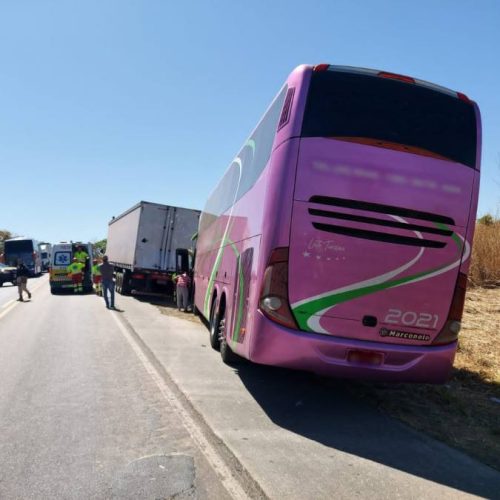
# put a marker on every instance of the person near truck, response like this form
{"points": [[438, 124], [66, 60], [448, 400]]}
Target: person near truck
{"points": [[75, 272], [108, 284], [22, 280], [96, 277], [182, 290]]}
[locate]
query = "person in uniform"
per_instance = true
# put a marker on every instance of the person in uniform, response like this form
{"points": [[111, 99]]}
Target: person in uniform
{"points": [[82, 256], [22, 280], [75, 271], [97, 278]]}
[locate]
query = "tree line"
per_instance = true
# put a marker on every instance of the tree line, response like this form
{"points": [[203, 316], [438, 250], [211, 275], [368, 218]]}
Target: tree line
{"points": [[4, 235]]}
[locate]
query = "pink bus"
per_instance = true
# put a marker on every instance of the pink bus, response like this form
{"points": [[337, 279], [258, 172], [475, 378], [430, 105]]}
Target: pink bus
{"points": [[338, 240]]}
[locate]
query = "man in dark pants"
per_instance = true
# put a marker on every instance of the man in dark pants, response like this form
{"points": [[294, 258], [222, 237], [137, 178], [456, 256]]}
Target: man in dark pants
{"points": [[108, 284], [22, 280]]}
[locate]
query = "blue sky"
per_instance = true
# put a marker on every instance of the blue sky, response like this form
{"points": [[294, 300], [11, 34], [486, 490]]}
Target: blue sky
{"points": [[106, 103]]}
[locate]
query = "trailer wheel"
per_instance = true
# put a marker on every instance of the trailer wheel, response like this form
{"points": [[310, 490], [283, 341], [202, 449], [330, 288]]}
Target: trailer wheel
{"points": [[118, 283], [125, 283]]}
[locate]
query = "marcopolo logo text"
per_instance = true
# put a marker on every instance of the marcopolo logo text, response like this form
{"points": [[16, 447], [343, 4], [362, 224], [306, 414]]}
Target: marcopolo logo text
{"points": [[389, 332]]}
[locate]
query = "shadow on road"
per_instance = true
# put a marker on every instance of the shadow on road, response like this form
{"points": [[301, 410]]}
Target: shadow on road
{"points": [[167, 305], [326, 411]]}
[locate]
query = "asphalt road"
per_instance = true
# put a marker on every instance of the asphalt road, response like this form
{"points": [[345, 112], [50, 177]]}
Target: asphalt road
{"points": [[80, 416], [135, 404]]}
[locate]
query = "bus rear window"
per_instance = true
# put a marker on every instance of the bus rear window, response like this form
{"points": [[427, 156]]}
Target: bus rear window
{"points": [[354, 106], [19, 246]]}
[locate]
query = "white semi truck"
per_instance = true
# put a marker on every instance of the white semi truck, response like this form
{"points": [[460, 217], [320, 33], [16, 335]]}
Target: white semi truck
{"points": [[148, 244]]}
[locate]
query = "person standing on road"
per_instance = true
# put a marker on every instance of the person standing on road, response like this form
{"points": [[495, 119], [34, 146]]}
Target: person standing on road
{"points": [[97, 278], [108, 285], [22, 280], [75, 271], [183, 283]]}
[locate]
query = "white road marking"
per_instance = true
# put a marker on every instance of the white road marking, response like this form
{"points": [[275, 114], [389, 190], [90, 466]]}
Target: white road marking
{"points": [[7, 309], [8, 303], [11, 304], [232, 486]]}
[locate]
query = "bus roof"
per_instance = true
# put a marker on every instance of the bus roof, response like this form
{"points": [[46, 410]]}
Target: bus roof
{"points": [[394, 76]]}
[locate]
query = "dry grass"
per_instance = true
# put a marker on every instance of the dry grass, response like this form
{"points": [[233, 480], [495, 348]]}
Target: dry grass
{"points": [[485, 263], [479, 344]]}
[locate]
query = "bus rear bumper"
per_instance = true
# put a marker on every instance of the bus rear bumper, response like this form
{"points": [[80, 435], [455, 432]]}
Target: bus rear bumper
{"points": [[348, 358]]}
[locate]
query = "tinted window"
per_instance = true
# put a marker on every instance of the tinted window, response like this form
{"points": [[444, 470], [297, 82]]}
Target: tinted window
{"points": [[257, 150], [247, 167], [20, 246], [348, 105]]}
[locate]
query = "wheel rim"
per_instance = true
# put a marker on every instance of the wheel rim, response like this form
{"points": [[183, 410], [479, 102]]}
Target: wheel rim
{"points": [[214, 328], [221, 330]]}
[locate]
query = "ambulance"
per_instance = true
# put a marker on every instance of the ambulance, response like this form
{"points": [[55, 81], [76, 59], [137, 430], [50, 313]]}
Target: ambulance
{"points": [[61, 258]]}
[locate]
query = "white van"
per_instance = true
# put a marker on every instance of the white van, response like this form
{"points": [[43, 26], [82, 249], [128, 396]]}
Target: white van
{"points": [[45, 254], [61, 258]]}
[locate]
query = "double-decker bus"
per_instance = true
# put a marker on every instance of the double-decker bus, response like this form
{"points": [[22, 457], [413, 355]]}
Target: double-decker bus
{"points": [[26, 250], [338, 240]]}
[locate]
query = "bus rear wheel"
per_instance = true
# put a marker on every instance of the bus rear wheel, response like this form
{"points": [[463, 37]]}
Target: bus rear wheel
{"points": [[226, 353], [214, 327]]}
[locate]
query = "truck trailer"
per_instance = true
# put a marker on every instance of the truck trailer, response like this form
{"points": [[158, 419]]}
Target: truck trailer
{"points": [[148, 244]]}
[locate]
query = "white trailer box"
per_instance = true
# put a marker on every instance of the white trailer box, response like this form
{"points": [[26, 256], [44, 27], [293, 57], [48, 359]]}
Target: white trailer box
{"points": [[148, 243]]}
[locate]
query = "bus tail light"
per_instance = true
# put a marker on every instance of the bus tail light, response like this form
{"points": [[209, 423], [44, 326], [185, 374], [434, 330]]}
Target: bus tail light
{"points": [[463, 97], [394, 76], [321, 67], [450, 331], [274, 294]]}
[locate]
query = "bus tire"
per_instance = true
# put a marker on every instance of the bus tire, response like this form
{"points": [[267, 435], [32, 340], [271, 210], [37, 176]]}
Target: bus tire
{"points": [[226, 353], [214, 327], [196, 311]]}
